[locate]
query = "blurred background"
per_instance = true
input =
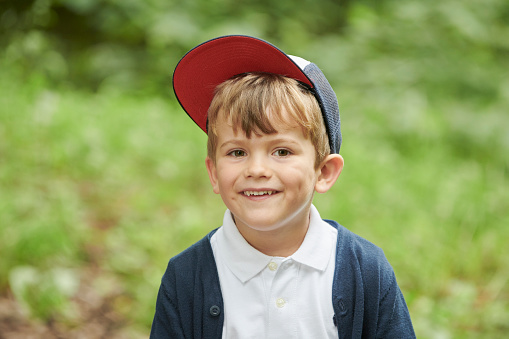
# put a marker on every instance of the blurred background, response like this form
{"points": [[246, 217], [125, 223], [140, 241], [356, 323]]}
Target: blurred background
{"points": [[102, 175]]}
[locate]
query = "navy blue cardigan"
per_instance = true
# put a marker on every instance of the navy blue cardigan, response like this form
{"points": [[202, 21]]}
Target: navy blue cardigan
{"points": [[366, 298]]}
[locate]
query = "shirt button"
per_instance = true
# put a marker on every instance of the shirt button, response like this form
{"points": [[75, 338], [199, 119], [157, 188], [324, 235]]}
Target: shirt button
{"points": [[272, 266], [280, 303]]}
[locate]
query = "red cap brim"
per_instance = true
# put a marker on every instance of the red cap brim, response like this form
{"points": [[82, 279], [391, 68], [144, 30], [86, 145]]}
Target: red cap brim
{"points": [[206, 66]]}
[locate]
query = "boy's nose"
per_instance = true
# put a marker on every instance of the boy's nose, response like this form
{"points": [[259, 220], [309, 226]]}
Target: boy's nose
{"points": [[257, 167]]}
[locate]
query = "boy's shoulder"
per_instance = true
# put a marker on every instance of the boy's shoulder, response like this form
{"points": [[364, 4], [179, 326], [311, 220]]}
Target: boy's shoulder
{"points": [[198, 256], [366, 294], [348, 240], [355, 251], [192, 275]]}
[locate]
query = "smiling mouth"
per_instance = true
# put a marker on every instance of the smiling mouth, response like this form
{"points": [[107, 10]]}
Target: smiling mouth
{"points": [[258, 193]]}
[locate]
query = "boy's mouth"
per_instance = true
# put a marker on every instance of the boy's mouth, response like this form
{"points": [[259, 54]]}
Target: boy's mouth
{"points": [[258, 193]]}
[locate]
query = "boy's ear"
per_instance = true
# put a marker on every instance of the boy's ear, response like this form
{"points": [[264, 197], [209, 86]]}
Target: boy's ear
{"points": [[329, 171], [211, 170]]}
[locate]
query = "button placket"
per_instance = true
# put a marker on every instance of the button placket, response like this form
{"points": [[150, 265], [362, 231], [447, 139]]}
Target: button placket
{"points": [[281, 312]]}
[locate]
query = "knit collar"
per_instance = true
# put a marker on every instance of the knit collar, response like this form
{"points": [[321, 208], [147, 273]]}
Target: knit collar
{"points": [[245, 261]]}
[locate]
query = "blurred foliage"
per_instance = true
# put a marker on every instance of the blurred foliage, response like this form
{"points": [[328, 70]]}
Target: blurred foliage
{"points": [[102, 176], [94, 43]]}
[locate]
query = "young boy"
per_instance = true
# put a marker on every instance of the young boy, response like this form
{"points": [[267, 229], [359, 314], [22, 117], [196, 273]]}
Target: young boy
{"points": [[274, 269]]}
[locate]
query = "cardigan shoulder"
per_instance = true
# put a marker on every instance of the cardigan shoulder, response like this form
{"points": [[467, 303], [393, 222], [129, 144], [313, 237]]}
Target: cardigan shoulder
{"points": [[199, 254], [190, 294], [357, 253], [192, 268]]}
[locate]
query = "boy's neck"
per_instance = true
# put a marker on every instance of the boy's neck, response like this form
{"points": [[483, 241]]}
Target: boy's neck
{"points": [[282, 242]]}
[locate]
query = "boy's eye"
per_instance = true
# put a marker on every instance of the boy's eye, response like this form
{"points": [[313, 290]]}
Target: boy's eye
{"points": [[282, 153], [237, 153]]}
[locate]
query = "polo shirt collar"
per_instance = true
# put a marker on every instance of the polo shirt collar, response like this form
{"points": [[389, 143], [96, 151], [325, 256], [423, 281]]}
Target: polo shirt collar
{"points": [[245, 261], [315, 250]]}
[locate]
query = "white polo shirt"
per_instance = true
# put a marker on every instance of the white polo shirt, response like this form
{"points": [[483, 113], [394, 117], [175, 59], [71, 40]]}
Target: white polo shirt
{"points": [[274, 297]]}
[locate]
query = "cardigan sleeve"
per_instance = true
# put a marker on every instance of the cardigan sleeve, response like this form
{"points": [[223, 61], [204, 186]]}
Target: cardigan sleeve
{"points": [[393, 317]]}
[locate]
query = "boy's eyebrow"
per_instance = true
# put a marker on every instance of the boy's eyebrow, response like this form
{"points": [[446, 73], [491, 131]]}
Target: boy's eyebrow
{"points": [[235, 141], [230, 141], [284, 140]]}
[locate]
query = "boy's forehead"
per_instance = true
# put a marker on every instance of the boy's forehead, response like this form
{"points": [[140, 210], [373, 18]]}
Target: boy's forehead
{"points": [[280, 121], [225, 127], [273, 114]]}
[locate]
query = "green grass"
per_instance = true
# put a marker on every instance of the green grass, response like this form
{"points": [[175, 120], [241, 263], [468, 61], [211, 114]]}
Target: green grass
{"points": [[98, 191]]}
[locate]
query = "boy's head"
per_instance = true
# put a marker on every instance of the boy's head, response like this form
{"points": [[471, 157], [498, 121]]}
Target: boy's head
{"points": [[272, 121], [211, 81], [262, 103]]}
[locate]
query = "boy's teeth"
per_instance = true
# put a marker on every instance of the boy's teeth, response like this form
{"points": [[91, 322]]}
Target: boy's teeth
{"points": [[248, 193]]}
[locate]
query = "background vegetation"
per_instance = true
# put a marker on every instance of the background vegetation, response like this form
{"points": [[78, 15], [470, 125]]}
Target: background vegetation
{"points": [[102, 176]]}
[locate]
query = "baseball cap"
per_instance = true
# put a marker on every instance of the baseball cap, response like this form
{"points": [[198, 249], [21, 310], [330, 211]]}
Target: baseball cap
{"points": [[209, 64]]}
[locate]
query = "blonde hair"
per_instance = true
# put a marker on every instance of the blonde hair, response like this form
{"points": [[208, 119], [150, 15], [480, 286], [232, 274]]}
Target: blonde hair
{"points": [[254, 102]]}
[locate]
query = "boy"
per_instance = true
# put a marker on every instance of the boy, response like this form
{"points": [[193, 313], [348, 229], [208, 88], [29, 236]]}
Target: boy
{"points": [[274, 269]]}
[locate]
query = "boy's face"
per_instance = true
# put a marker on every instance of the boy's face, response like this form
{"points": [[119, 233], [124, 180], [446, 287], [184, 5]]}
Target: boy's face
{"points": [[266, 181]]}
